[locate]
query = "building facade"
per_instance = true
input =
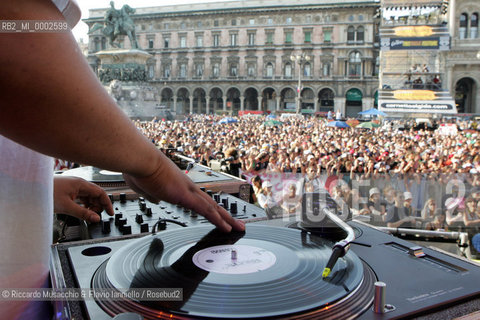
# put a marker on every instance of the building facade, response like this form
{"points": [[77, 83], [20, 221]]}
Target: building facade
{"points": [[463, 60], [252, 55]]}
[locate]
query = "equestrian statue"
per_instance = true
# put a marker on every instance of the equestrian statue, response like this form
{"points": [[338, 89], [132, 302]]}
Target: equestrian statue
{"points": [[118, 22]]}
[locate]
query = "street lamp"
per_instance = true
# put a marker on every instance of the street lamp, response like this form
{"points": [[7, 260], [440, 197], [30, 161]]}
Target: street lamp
{"points": [[301, 59]]}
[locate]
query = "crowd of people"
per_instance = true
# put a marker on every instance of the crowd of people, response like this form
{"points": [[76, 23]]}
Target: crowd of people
{"points": [[384, 175]]}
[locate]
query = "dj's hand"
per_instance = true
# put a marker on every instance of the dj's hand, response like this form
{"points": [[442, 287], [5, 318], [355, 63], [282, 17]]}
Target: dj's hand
{"points": [[170, 184], [93, 199]]}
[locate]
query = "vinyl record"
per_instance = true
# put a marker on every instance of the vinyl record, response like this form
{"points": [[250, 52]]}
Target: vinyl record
{"points": [[95, 175], [272, 272]]}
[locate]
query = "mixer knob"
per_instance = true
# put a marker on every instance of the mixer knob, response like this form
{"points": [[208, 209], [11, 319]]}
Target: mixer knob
{"points": [[144, 227], [233, 208], [118, 216], [122, 222], [110, 196], [127, 229], [225, 203], [142, 205], [149, 212], [106, 226], [123, 197], [162, 225], [138, 218]]}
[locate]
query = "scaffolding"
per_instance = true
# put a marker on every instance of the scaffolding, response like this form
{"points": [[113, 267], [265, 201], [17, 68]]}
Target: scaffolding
{"points": [[413, 36]]}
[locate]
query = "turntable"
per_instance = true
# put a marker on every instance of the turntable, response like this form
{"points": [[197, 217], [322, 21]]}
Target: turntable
{"points": [[271, 271], [199, 174]]}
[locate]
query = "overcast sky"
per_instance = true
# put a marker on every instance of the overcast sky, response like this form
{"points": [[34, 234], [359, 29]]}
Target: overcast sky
{"points": [[81, 29]]}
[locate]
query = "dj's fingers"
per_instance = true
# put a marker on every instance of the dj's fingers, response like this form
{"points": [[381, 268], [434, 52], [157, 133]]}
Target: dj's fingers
{"points": [[219, 216], [81, 212], [96, 198]]}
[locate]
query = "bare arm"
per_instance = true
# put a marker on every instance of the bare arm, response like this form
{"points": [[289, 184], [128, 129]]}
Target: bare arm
{"points": [[53, 103]]}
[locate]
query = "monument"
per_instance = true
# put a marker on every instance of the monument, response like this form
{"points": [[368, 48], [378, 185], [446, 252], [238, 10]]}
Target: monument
{"points": [[122, 71]]}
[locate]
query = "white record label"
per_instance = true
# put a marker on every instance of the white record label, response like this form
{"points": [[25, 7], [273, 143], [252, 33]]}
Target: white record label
{"points": [[234, 259]]}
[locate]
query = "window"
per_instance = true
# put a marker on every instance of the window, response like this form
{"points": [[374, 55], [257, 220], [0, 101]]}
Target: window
{"points": [[166, 26], [104, 43], [183, 41], [251, 70], [233, 39], [199, 69], [234, 22], [288, 70], [270, 21], [327, 36], [308, 19], [351, 34], [166, 71], [151, 71], [307, 69], [288, 36], [269, 39], [251, 39], [216, 70], [199, 24], [308, 36], [355, 64], [96, 43], [474, 26], [463, 26], [183, 70], [326, 69], [251, 22], [360, 34], [150, 43], [216, 40], [216, 23], [199, 41], [269, 70], [166, 42], [288, 20], [183, 25], [233, 70]]}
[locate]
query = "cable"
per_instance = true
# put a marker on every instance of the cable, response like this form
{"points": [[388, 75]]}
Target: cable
{"points": [[166, 220]]}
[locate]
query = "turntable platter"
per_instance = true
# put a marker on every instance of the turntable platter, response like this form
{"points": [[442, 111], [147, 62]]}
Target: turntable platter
{"points": [[272, 272], [95, 175]]}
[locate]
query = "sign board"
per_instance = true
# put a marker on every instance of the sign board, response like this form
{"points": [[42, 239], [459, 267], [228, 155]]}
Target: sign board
{"points": [[414, 95], [415, 43], [250, 112], [447, 129], [413, 31], [417, 106]]}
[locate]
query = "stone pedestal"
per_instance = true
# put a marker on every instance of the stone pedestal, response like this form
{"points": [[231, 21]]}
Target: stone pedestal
{"points": [[123, 65], [124, 75]]}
